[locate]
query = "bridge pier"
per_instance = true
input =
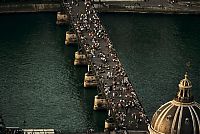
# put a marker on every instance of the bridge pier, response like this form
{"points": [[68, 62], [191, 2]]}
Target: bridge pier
{"points": [[100, 102], [62, 18], [109, 124], [89, 79], [70, 38], [80, 58]]}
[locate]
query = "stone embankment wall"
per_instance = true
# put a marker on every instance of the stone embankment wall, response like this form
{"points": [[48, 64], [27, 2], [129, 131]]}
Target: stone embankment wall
{"points": [[53, 7], [149, 10], [12, 8]]}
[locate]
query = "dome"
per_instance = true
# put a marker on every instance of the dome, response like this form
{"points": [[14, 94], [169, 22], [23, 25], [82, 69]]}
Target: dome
{"points": [[179, 116]]}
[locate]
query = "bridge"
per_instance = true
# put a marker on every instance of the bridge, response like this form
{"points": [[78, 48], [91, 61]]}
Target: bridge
{"points": [[116, 93]]}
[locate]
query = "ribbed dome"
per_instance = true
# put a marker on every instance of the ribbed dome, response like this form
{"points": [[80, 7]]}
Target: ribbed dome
{"points": [[175, 118], [179, 116]]}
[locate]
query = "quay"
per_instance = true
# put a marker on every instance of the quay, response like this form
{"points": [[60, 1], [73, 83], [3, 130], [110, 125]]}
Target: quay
{"points": [[24, 7], [149, 6], [134, 6], [116, 93]]}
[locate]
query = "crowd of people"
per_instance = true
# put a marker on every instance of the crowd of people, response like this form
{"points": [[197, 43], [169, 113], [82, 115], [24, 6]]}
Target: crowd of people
{"points": [[123, 103]]}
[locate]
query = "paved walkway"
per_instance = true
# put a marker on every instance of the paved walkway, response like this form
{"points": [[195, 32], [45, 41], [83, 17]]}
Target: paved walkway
{"points": [[113, 82]]}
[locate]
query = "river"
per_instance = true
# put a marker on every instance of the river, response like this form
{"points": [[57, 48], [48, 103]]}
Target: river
{"points": [[41, 88]]}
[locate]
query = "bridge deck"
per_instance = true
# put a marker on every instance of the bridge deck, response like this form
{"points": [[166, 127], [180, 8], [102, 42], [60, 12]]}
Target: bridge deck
{"points": [[124, 104]]}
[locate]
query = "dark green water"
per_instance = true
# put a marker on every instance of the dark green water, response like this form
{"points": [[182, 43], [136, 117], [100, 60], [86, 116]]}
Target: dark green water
{"points": [[40, 85], [38, 82], [154, 50]]}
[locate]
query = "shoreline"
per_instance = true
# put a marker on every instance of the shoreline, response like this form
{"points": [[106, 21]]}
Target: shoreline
{"points": [[150, 7], [152, 11], [25, 8], [54, 7]]}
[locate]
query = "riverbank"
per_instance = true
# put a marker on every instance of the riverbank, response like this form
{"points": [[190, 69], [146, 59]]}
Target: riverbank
{"points": [[152, 6], [148, 10], [13, 8]]}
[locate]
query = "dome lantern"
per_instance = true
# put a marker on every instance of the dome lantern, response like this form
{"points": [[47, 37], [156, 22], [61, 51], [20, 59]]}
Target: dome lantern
{"points": [[184, 94]]}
